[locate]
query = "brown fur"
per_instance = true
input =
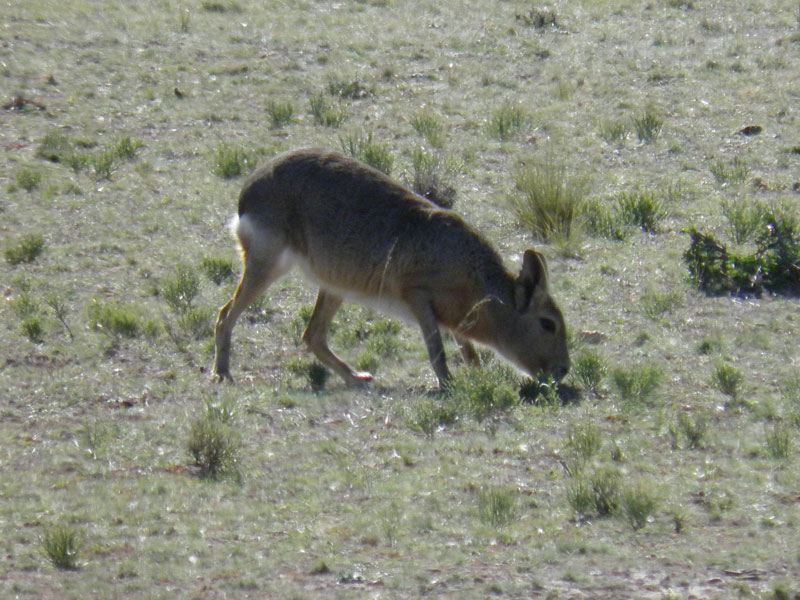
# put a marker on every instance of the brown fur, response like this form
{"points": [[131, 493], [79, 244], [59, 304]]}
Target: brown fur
{"points": [[359, 235]]}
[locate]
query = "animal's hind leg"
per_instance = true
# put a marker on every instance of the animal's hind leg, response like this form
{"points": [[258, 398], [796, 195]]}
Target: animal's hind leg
{"points": [[263, 265], [316, 337]]}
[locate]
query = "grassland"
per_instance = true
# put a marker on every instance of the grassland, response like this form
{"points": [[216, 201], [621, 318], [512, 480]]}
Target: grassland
{"points": [[125, 132]]}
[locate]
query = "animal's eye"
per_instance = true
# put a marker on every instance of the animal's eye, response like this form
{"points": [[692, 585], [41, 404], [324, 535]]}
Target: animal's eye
{"points": [[548, 324]]}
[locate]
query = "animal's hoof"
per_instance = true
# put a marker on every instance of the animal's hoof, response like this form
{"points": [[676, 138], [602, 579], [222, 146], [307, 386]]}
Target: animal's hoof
{"points": [[221, 377], [360, 379]]}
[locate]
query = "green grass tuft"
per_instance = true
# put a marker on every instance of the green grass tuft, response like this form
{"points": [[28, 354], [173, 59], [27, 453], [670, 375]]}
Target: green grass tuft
{"points": [[366, 149], [506, 122], [26, 250], [497, 507], [637, 384], [550, 201], [214, 442], [62, 545]]}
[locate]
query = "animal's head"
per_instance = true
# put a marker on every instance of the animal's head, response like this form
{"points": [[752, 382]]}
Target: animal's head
{"points": [[538, 340]]}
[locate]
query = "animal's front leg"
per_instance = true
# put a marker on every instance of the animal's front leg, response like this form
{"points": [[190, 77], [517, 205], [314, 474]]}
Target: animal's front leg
{"points": [[421, 305]]}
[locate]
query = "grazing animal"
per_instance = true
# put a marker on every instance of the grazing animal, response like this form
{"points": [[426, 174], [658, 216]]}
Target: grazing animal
{"points": [[359, 235]]}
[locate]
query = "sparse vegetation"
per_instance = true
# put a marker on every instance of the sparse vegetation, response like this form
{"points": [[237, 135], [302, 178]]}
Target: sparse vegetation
{"points": [[115, 121]]}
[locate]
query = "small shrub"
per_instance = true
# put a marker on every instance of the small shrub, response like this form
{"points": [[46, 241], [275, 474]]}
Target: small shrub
{"points": [[733, 173], [55, 147], [597, 495], [637, 506], [367, 361], [214, 442], [648, 127], [429, 180], [430, 126], [347, 89], [590, 369], [197, 322], [637, 384], [324, 114], [26, 307], [551, 201], [642, 209], [429, 416], [584, 440], [317, 376], [365, 149], [217, 269], [482, 392], [184, 19], [655, 303], [33, 328], [542, 391], [125, 148], [280, 113], [28, 178], [506, 121], [727, 379], [539, 18], [113, 319], [693, 430], [716, 271], [605, 221], [104, 162], [230, 162], [59, 307], [382, 338], [497, 507], [779, 441], [220, 7], [744, 218], [26, 250], [181, 288], [613, 132], [61, 545]]}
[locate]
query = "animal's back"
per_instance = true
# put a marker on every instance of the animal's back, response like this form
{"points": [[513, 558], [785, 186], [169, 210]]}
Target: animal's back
{"points": [[352, 228]]}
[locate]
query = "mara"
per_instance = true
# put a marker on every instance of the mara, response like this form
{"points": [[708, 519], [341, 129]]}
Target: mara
{"points": [[360, 236]]}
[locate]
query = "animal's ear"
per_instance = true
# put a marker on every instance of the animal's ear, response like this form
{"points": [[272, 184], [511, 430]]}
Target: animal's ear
{"points": [[532, 279]]}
